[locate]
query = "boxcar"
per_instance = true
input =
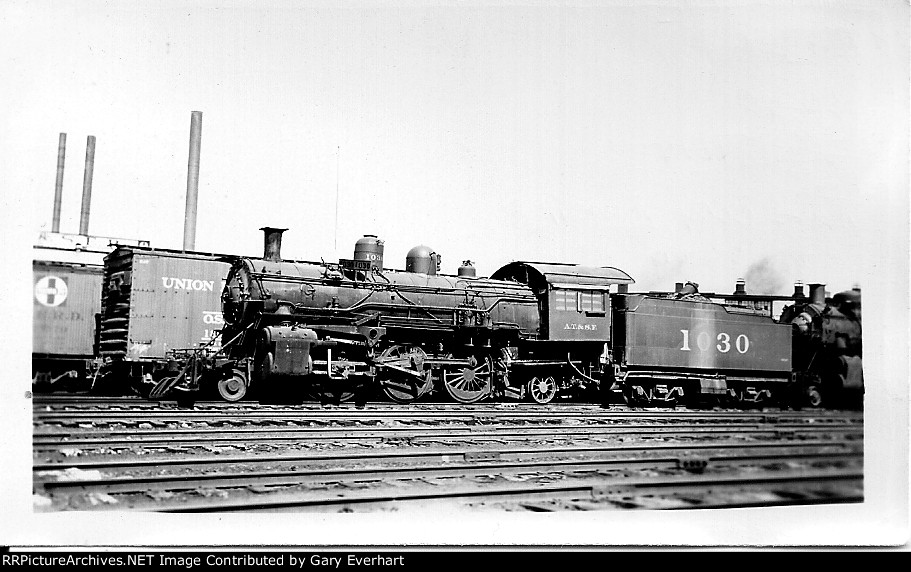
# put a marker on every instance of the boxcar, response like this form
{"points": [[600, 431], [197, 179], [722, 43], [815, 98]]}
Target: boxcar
{"points": [[158, 305], [65, 299]]}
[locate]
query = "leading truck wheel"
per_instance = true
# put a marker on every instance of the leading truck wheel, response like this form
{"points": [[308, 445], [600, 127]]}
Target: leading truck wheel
{"points": [[469, 383], [232, 388]]}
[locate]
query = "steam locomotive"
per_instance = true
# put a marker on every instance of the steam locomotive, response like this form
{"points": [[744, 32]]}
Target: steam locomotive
{"points": [[531, 331], [827, 347]]}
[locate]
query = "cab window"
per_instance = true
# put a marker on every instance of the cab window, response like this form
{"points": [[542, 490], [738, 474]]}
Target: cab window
{"points": [[578, 301]]}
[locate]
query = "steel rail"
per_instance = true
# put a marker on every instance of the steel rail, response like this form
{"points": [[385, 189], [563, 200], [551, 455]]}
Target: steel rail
{"points": [[183, 482], [443, 454], [592, 488], [429, 433], [364, 414], [138, 405], [254, 429]]}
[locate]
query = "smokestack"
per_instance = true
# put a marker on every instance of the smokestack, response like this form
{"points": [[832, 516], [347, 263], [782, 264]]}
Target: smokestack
{"points": [[740, 288], [818, 294], [678, 287], [87, 185], [689, 288], [272, 243], [58, 190], [189, 224], [798, 290]]}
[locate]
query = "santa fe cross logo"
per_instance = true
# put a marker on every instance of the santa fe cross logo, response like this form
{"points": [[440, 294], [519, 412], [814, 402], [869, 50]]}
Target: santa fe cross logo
{"points": [[50, 291]]}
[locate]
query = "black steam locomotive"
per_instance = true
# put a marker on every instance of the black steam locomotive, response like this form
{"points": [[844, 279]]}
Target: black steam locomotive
{"points": [[827, 347], [530, 331]]}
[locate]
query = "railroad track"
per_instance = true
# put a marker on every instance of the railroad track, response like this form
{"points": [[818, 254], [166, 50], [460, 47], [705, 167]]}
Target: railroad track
{"points": [[175, 438], [496, 477], [113, 456]]}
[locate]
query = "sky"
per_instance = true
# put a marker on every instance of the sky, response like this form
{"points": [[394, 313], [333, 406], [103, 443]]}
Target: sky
{"points": [[704, 140], [674, 142]]}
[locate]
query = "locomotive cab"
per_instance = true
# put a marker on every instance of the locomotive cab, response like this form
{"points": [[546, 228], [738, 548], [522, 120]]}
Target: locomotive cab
{"points": [[574, 301]]}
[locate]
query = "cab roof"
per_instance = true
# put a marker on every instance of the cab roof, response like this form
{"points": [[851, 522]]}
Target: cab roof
{"points": [[570, 275]]}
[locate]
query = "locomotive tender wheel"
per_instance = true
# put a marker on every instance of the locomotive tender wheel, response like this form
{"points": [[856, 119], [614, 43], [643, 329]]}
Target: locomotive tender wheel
{"points": [[468, 384], [632, 397], [232, 388], [812, 396], [397, 385], [542, 390]]}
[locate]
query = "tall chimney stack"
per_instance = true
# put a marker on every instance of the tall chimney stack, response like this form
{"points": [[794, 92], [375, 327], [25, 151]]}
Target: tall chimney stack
{"points": [[272, 243], [87, 185], [58, 190], [189, 224]]}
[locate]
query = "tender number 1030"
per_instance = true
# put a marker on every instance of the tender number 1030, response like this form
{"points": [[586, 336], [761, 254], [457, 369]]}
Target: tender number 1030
{"points": [[704, 340]]}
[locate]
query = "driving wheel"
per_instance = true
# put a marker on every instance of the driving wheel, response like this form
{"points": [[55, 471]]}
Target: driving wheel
{"points": [[468, 383], [398, 385]]}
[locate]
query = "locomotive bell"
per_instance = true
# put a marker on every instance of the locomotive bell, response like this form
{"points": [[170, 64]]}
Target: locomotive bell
{"points": [[370, 248], [422, 260]]}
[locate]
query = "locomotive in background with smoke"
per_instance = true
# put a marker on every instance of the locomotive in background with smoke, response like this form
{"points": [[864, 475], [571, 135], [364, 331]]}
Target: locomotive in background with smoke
{"points": [[531, 331]]}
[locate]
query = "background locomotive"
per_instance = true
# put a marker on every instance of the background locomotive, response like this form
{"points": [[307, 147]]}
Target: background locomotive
{"points": [[532, 330], [827, 347]]}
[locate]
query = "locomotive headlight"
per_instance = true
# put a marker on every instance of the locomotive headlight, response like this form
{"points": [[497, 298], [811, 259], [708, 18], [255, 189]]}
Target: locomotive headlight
{"points": [[803, 322]]}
